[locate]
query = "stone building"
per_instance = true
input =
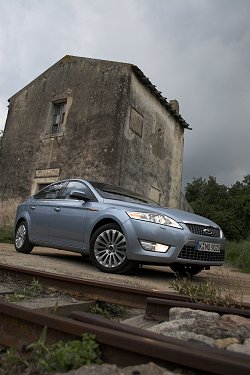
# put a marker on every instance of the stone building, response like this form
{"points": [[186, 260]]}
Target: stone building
{"points": [[94, 119]]}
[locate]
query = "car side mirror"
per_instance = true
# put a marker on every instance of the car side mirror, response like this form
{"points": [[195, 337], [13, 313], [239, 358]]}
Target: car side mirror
{"points": [[76, 194]]}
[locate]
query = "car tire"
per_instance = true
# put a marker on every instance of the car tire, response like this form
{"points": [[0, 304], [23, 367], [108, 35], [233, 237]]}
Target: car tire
{"points": [[186, 270], [21, 240], [108, 249]]}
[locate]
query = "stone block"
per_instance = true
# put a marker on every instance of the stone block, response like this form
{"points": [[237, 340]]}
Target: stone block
{"points": [[173, 326], [224, 343], [236, 320], [140, 322], [177, 313], [244, 348]]}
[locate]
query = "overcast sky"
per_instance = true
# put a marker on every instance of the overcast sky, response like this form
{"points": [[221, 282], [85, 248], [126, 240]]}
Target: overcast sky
{"points": [[195, 51]]}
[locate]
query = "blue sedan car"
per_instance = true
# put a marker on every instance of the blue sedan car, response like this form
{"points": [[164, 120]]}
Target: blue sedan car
{"points": [[118, 228]]}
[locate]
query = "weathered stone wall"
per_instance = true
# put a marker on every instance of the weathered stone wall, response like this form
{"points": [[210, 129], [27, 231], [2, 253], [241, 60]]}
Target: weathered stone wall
{"points": [[152, 148], [184, 205], [89, 145], [8, 211], [114, 130]]}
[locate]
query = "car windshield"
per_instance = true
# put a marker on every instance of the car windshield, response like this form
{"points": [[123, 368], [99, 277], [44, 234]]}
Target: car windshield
{"points": [[116, 192]]}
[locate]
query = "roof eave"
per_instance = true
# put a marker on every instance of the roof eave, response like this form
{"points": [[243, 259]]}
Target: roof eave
{"points": [[145, 81]]}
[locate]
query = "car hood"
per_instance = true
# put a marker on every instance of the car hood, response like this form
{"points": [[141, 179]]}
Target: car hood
{"points": [[187, 217], [176, 214]]}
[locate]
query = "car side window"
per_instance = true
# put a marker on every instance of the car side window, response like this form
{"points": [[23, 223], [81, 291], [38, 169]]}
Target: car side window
{"points": [[79, 186], [51, 191]]}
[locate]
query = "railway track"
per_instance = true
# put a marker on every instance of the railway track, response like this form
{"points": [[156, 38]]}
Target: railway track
{"points": [[110, 292], [120, 344]]}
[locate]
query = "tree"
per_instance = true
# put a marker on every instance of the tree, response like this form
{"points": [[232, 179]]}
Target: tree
{"points": [[228, 207]]}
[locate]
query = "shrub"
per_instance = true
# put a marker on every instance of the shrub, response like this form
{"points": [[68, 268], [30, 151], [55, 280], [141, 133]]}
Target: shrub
{"points": [[42, 359], [109, 310], [66, 356]]}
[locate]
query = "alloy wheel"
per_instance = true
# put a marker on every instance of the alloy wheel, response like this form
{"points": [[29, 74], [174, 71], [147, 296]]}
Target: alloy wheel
{"points": [[110, 248], [20, 236]]}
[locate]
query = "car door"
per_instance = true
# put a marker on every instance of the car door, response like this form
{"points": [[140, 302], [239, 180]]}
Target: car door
{"points": [[40, 208], [69, 218]]}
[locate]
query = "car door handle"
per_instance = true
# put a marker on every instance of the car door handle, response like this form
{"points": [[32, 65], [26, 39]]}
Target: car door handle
{"points": [[57, 209], [32, 207]]}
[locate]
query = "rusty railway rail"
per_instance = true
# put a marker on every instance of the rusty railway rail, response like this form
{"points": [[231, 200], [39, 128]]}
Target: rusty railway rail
{"points": [[158, 309], [157, 303], [119, 344], [97, 290]]}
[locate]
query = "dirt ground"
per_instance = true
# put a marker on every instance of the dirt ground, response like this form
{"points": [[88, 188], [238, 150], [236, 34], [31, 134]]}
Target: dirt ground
{"points": [[148, 277]]}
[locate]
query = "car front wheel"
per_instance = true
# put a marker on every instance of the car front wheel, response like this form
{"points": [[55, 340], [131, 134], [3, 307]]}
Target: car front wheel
{"points": [[22, 243], [108, 249], [185, 270]]}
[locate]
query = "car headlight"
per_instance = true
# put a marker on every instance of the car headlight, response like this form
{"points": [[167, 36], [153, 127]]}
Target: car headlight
{"points": [[154, 218]]}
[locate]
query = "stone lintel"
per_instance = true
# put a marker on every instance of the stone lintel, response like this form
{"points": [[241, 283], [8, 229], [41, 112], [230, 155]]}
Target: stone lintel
{"points": [[41, 173]]}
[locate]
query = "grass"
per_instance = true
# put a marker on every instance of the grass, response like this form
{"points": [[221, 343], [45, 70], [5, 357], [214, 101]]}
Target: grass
{"points": [[32, 291], [6, 235], [238, 255], [221, 292]]}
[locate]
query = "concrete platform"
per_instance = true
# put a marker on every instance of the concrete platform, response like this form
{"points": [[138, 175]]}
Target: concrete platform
{"points": [[6, 290], [139, 322], [60, 306]]}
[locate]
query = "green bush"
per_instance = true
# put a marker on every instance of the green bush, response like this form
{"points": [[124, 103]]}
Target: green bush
{"points": [[109, 310], [66, 356], [40, 358], [229, 207]]}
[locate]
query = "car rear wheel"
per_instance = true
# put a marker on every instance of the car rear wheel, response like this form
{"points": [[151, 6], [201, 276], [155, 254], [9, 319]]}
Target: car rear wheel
{"points": [[108, 249], [185, 270], [22, 243]]}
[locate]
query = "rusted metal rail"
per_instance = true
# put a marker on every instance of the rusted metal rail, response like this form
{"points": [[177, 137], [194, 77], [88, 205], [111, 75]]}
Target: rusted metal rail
{"points": [[157, 303], [96, 290], [158, 309], [21, 326]]}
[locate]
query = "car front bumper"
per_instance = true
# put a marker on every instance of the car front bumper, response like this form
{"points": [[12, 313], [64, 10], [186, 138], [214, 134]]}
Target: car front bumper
{"points": [[182, 244]]}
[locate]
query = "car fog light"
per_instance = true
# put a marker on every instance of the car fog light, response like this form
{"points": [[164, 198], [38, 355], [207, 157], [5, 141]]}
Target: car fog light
{"points": [[153, 246]]}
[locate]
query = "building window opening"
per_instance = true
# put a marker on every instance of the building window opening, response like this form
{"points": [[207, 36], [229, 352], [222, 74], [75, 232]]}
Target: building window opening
{"points": [[58, 117], [42, 186]]}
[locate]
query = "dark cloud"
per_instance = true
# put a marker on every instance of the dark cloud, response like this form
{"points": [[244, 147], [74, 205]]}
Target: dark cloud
{"points": [[194, 50]]}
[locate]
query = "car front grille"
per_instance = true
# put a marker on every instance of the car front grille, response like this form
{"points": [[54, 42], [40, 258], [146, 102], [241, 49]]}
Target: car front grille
{"points": [[190, 252], [203, 230]]}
